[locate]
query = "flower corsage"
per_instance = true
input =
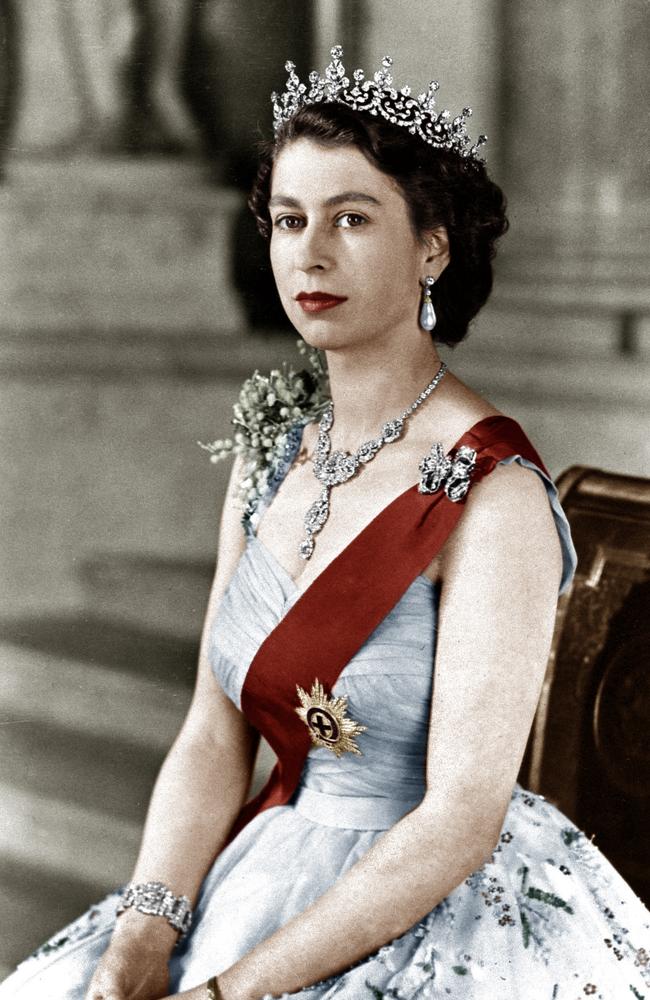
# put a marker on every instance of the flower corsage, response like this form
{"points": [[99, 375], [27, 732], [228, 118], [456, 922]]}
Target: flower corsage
{"points": [[268, 408]]}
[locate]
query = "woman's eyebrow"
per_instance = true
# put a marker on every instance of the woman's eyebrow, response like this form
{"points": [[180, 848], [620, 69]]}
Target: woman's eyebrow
{"points": [[337, 199], [283, 199]]}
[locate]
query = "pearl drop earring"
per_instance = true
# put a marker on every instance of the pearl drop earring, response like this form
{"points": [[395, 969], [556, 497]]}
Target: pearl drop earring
{"points": [[427, 312]]}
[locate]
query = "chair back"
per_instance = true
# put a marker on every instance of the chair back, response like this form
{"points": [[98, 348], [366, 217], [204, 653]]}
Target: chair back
{"points": [[589, 750]]}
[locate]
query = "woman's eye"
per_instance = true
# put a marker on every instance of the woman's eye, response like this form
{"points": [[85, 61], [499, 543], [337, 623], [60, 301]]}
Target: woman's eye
{"points": [[350, 220], [288, 222]]}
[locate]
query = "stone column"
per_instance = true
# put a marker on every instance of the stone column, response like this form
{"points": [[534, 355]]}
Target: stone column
{"points": [[335, 22], [9, 74], [575, 142], [250, 44]]}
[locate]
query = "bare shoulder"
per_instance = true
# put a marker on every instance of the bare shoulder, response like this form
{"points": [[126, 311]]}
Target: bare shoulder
{"points": [[507, 523], [511, 492], [511, 496], [456, 409]]}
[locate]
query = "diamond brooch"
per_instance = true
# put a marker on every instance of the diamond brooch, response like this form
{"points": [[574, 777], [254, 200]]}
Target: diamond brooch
{"points": [[438, 470]]}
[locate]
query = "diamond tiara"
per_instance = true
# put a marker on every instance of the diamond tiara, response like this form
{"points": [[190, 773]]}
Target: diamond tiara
{"points": [[379, 97]]}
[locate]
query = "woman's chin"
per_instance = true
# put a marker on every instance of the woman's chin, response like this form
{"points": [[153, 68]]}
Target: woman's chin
{"points": [[326, 332], [327, 341], [320, 334]]}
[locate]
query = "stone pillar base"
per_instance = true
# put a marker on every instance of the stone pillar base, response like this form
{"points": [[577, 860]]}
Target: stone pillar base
{"points": [[116, 245]]}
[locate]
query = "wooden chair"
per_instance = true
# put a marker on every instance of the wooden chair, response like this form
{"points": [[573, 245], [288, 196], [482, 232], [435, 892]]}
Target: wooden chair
{"points": [[589, 750]]}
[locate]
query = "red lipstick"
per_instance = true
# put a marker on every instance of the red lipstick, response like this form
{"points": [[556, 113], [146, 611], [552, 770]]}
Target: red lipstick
{"points": [[313, 302]]}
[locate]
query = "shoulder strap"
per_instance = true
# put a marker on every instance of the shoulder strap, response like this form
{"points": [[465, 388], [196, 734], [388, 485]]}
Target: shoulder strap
{"points": [[343, 606]]}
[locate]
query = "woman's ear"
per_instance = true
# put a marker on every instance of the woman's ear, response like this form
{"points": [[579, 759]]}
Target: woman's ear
{"points": [[437, 244]]}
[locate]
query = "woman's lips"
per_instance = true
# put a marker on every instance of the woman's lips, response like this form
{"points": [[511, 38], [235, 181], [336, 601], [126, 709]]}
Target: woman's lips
{"points": [[313, 302]]}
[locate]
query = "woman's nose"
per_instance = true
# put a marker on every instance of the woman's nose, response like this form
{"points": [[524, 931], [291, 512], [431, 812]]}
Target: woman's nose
{"points": [[314, 250]]}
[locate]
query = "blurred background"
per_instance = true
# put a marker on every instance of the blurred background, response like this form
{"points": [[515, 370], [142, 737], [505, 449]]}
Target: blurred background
{"points": [[135, 298]]}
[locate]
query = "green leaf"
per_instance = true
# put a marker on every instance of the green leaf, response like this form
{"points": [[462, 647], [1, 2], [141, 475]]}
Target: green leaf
{"points": [[549, 898]]}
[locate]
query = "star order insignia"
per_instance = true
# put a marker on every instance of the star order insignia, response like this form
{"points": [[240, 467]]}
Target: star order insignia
{"points": [[326, 719]]}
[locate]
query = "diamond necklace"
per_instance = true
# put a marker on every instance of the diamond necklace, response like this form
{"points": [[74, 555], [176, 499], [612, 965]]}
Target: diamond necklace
{"points": [[332, 468]]}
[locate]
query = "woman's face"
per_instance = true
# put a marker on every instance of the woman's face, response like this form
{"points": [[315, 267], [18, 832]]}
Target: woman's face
{"points": [[341, 229]]}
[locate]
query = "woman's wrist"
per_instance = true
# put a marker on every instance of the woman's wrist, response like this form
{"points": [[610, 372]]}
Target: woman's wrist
{"points": [[156, 899], [237, 983], [146, 932]]}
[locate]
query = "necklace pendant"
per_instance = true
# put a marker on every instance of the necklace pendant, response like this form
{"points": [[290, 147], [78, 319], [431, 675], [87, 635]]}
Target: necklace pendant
{"points": [[332, 468], [315, 518], [318, 513], [327, 419], [322, 448], [336, 469], [306, 548]]}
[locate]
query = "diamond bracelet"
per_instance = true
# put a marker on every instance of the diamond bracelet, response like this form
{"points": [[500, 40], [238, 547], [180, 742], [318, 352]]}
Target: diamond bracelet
{"points": [[156, 900]]}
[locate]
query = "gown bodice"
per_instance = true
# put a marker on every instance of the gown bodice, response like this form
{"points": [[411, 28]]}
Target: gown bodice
{"points": [[387, 683]]}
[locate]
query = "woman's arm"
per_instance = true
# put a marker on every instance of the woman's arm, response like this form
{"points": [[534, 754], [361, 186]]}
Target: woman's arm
{"points": [[205, 776], [500, 574], [199, 792]]}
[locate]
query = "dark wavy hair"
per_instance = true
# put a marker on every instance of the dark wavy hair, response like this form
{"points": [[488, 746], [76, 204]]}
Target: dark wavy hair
{"points": [[440, 187]]}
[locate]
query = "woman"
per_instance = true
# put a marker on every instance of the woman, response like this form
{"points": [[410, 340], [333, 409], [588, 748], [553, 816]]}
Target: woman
{"points": [[389, 856]]}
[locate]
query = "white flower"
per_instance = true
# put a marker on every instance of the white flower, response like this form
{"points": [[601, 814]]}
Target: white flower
{"points": [[268, 407]]}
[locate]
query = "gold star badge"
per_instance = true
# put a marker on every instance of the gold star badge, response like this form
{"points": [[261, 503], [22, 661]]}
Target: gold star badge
{"points": [[327, 722]]}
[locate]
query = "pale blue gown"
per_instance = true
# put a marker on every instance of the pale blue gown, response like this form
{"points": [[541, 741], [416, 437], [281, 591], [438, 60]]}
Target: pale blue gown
{"points": [[548, 918]]}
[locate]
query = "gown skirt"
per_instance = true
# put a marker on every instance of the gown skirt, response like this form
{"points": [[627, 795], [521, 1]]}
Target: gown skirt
{"points": [[546, 918]]}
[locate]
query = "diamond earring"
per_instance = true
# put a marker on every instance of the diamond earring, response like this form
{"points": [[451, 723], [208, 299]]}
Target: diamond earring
{"points": [[427, 312]]}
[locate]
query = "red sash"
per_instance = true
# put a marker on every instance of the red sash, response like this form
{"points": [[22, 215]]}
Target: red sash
{"points": [[342, 607]]}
